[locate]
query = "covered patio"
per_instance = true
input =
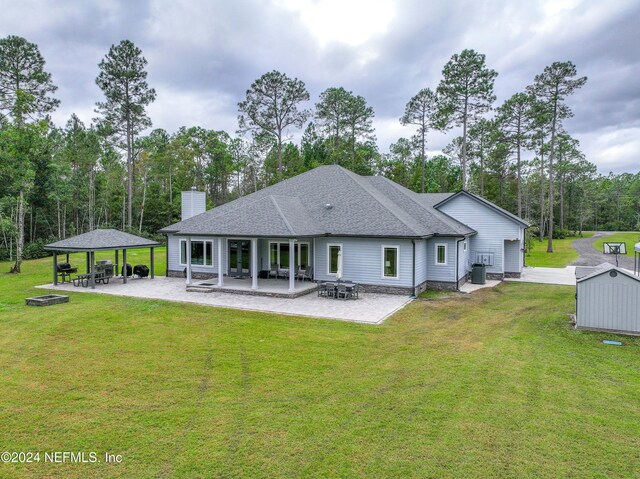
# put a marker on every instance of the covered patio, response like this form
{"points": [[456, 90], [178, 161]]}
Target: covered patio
{"points": [[100, 240]]}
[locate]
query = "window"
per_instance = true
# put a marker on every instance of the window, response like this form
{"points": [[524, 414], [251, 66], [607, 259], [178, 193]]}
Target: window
{"points": [[334, 250], [441, 254], [201, 253], [279, 254], [390, 261], [464, 246]]}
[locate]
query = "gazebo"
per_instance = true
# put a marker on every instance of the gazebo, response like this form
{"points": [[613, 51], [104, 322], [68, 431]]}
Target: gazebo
{"points": [[100, 240]]}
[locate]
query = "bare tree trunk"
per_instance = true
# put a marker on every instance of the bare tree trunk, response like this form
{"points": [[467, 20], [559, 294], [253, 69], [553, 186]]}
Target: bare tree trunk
{"points": [[519, 173], [551, 192], [144, 198], [20, 242], [561, 201], [542, 183], [129, 173]]}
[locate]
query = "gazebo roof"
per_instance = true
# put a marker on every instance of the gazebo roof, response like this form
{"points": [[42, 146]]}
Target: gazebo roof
{"points": [[102, 239]]}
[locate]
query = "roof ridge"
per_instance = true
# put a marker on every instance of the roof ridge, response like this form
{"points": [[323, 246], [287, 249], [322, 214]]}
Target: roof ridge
{"points": [[279, 210], [366, 187], [430, 210]]}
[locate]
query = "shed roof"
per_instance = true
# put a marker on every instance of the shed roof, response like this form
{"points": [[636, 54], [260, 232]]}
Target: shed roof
{"points": [[102, 239], [328, 200], [583, 275]]}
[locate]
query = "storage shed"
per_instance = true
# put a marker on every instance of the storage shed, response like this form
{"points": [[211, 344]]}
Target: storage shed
{"points": [[608, 299]]}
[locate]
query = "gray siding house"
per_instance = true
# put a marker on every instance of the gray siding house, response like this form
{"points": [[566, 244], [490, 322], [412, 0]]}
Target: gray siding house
{"points": [[389, 239]]}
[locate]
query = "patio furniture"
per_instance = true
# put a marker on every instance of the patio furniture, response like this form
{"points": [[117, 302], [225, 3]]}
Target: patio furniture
{"points": [[323, 289], [141, 270], [304, 274], [283, 273], [81, 280], [128, 269], [64, 271], [273, 270], [342, 292]]}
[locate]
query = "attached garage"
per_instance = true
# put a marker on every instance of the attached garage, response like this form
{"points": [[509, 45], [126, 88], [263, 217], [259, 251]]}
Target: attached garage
{"points": [[608, 299]]}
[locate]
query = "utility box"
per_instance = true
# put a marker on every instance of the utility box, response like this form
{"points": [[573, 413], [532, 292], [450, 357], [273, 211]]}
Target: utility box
{"points": [[478, 273]]}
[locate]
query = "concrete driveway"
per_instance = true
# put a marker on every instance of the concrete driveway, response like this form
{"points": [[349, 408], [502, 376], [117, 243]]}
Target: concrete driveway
{"points": [[370, 308], [566, 276]]}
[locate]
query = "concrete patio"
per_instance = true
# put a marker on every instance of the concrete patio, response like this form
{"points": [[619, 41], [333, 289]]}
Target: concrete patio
{"points": [[266, 287], [370, 308]]}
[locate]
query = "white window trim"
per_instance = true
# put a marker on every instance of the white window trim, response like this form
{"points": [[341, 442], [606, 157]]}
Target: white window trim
{"points": [[435, 259], [212, 265], [296, 249], [329, 245], [397, 248]]}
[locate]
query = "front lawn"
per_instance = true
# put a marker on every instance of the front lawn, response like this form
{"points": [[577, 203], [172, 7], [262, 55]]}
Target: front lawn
{"points": [[563, 253], [496, 384], [629, 237]]}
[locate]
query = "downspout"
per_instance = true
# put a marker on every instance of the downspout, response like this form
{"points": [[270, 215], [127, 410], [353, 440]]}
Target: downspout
{"points": [[457, 261], [166, 257], [413, 273]]}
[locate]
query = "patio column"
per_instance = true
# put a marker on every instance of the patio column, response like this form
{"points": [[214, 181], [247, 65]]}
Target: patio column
{"points": [[254, 263], [220, 273], [93, 270], [124, 266], [55, 268], [292, 265], [189, 261], [152, 265]]}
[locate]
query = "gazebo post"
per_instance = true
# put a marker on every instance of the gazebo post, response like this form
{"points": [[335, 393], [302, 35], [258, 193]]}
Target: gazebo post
{"points": [[117, 254], [93, 270], [124, 266], [88, 263], [55, 268], [67, 256], [152, 265]]}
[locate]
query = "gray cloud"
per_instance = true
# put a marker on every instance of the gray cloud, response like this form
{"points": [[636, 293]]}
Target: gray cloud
{"points": [[204, 55]]}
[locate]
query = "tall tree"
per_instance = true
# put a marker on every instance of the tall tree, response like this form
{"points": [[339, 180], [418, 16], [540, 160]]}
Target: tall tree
{"points": [[514, 121], [123, 80], [24, 93], [465, 93], [421, 111], [271, 107], [331, 118], [551, 88], [22, 70]]}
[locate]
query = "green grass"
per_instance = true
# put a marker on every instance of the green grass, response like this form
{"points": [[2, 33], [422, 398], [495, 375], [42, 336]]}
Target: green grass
{"points": [[494, 385], [563, 253], [629, 237]]}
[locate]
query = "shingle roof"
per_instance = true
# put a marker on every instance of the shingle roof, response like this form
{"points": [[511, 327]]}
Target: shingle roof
{"points": [[582, 274], [328, 200], [101, 239]]}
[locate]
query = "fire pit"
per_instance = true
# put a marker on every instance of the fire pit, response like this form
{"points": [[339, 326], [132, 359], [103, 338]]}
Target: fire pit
{"points": [[47, 300]]}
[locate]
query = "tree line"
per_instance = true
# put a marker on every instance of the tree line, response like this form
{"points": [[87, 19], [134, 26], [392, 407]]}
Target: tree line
{"points": [[62, 180]]}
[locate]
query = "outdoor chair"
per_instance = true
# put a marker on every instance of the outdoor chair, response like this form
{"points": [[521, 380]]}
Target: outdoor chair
{"points": [[353, 290], [323, 290], [282, 273], [342, 292], [304, 274], [273, 270]]}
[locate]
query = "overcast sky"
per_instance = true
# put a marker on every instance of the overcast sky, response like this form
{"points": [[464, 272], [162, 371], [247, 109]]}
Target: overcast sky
{"points": [[203, 55]]}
